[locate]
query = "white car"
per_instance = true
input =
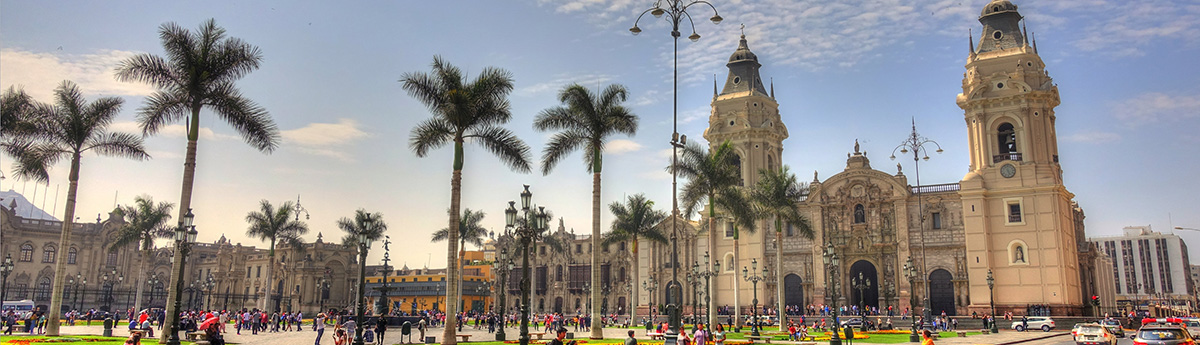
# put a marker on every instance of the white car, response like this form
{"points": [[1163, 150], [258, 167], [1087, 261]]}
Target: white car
{"points": [[1036, 322], [1094, 334]]}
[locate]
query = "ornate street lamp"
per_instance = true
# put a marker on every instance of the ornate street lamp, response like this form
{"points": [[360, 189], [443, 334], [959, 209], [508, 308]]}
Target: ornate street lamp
{"points": [[152, 283], [707, 274], [676, 12], [111, 282], [528, 228], [502, 267], [364, 244], [5, 269], [862, 284], [651, 285], [911, 272], [693, 279], [185, 235], [831, 262], [915, 143], [754, 279], [384, 303], [992, 299]]}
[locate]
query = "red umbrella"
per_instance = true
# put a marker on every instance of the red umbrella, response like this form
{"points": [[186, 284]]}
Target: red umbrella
{"points": [[209, 322]]}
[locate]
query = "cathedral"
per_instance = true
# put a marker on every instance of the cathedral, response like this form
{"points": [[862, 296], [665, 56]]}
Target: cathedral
{"points": [[904, 244]]}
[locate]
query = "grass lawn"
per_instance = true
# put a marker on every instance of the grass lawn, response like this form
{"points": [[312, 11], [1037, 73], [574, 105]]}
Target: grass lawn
{"points": [[88, 339]]}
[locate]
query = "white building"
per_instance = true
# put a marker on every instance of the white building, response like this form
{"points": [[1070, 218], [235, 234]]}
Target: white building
{"points": [[1149, 266]]}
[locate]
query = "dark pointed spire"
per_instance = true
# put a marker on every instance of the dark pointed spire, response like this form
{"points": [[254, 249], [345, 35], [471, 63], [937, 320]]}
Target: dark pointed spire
{"points": [[1035, 51], [714, 85], [1025, 33], [971, 42], [772, 87]]}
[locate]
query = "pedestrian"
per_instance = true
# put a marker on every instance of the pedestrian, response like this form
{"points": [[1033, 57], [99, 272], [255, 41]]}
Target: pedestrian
{"points": [[319, 326], [926, 337], [718, 336], [559, 336], [380, 327], [631, 340]]}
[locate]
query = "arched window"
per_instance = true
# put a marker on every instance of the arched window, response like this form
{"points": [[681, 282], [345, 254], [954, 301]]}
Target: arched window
{"points": [[72, 254], [112, 259], [1007, 138], [728, 229], [737, 162], [860, 214], [622, 277], [558, 273], [43, 289], [49, 252], [729, 266], [26, 252], [577, 304], [790, 231], [621, 246], [770, 163]]}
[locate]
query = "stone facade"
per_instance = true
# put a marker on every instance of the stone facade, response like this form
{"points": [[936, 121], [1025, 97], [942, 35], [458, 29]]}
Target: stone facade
{"points": [[237, 271]]}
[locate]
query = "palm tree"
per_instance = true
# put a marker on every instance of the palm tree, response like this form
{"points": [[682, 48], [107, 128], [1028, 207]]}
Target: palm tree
{"points": [[145, 222], [363, 223], [470, 230], [776, 194], [275, 225], [586, 120], [463, 110], [67, 129], [17, 127], [711, 174], [198, 72], [636, 218]]}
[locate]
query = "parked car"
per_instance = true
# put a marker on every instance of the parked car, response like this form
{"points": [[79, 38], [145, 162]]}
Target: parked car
{"points": [[1192, 326], [1094, 334], [857, 323], [1114, 326], [1162, 335], [1045, 323]]}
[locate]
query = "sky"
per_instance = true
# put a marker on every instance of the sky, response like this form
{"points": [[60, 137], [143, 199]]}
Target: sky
{"points": [[842, 70]]}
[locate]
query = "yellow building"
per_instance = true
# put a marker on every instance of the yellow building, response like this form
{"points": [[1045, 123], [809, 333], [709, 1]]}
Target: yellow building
{"points": [[410, 290]]}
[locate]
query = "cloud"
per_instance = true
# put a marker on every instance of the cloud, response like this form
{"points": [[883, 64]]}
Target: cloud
{"points": [[1093, 137], [40, 73], [1153, 107], [621, 146], [1123, 28], [587, 80], [325, 139]]}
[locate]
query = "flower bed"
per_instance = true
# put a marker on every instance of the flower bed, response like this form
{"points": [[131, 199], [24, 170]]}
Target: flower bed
{"points": [[894, 331]]}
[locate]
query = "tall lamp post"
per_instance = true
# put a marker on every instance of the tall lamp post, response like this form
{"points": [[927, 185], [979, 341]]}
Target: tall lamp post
{"points": [[650, 285], [693, 279], [911, 272], [74, 283], [831, 262], [111, 282], [185, 234], [992, 300], [862, 284], [209, 284], [676, 12], [707, 274], [528, 228], [5, 269], [152, 283], [384, 303], [915, 143], [364, 244], [754, 279], [502, 267]]}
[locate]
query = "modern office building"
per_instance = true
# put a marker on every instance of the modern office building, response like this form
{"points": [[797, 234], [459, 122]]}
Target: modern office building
{"points": [[1149, 267]]}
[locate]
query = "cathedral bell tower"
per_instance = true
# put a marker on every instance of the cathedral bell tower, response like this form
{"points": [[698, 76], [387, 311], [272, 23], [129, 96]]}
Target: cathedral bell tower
{"points": [[746, 115], [1017, 213]]}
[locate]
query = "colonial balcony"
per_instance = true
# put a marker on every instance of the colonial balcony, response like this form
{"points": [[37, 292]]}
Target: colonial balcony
{"points": [[1012, 156]]}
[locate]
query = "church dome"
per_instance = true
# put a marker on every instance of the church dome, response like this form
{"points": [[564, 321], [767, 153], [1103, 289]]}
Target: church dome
{"points": [[998, 6], [743, 52]]}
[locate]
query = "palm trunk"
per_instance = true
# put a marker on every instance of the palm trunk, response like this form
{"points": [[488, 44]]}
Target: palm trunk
{"points": [[737, 291], [64, 244], [597, 328], [779, 304], [146, 250], [448, 335], [633, 288], [185, 204], [712, 247], [266, 305]]}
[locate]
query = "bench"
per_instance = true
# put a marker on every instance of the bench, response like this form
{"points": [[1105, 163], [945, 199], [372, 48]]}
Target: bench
{"points": [[538, 334], [196, 336], [465, 337], [962, 334], [655, 335], [764, 338]]}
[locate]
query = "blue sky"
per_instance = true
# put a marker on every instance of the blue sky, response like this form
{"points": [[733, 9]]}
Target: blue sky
{"points": [[843, 70]]}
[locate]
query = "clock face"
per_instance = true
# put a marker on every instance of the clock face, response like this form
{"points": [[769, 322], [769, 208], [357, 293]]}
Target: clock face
{"points": [[1008, 170]]}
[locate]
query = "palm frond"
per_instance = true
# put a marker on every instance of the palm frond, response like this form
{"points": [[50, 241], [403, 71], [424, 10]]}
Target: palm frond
{"points": [[246, 117], [561, 145], [118, 145], [511, 150], [430, 134], [162, 107]]}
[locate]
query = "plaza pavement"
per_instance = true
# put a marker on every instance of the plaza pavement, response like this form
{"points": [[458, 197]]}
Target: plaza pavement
{"points": [[307, 336]]}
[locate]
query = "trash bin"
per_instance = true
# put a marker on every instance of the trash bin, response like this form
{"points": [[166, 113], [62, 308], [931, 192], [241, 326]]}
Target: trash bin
{"points": [[108, 326], [430, 340]]}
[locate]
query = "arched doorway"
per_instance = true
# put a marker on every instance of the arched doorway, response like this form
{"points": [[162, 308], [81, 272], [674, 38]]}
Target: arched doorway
{"points": [[793, 291], [868, 297], [941, 292], [558, 301], [621, 305]]}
